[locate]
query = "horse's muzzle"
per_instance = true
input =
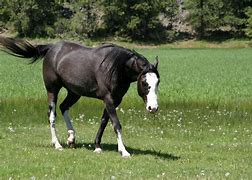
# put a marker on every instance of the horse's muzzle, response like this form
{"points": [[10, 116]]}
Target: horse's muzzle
{"points": [[152, 109]]}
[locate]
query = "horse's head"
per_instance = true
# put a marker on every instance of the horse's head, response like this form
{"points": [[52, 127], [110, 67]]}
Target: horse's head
{"points": [[147, 86]]}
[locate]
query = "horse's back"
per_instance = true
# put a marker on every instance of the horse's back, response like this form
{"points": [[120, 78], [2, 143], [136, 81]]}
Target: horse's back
{"points": [[74, 65], [83, 70]]}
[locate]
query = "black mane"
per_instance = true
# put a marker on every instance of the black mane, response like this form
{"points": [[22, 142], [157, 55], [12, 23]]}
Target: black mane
{"points": [[114, 61]]}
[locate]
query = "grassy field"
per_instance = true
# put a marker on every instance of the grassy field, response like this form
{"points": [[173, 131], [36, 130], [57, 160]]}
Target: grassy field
{"points": [[202, 131]]}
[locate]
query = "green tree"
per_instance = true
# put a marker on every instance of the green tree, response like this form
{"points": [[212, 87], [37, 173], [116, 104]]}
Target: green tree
{"points": [[211, 15], [248, 29], [5, 14], [137, 19], [235, 15], [170, 9], [79, 19], [86, 20], [204, 15], [33, 18]]}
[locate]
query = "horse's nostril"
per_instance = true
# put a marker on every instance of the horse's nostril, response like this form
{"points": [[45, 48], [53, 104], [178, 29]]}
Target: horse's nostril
{"points": [[149, 108]]}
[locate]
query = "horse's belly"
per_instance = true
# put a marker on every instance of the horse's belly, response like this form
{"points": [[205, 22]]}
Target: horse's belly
{"points": [[82, 87]]}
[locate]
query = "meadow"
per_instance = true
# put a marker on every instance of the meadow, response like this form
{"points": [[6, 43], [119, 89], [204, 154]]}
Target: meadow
{"points": [[202, 130]]}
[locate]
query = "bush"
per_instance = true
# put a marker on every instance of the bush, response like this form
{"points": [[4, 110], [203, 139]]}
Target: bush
{"points": [[137, 20], [33, 18], [248, 29]]}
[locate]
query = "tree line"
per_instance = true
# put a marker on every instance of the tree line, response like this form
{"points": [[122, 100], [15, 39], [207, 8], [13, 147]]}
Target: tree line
{"points": [[160, 20]]}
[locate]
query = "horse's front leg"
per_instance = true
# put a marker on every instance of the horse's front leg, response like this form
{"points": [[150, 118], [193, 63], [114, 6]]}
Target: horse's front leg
{"points": [[116, 124]]}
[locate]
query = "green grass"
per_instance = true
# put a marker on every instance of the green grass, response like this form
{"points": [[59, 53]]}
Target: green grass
{"points": [[202, 131]]}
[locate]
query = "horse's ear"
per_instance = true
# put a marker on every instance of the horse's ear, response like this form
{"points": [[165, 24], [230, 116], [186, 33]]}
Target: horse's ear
{"points": [[156, 63]]}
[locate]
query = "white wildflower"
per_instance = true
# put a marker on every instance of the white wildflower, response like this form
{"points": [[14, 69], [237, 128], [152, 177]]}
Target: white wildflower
{"points": [[202, 173], [11, 129], [227, 174], [121, 109]]}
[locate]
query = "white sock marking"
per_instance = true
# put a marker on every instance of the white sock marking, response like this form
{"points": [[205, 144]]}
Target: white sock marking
{"points": [[71, 132], [121, 147], [52, 120]]}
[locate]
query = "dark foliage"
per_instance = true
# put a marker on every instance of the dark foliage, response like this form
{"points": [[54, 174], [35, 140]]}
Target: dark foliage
{"points": [[153, 20]]}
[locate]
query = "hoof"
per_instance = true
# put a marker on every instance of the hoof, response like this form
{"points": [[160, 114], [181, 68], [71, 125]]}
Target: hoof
{"points": [[71, 144], [59, 148], [98, 150], [125, 154]]}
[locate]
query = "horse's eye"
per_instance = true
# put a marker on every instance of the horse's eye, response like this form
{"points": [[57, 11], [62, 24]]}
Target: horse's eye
{"points": [[145, 84]]}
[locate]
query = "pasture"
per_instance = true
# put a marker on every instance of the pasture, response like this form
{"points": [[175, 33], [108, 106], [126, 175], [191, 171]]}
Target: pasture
{"points": [[203, 129]]}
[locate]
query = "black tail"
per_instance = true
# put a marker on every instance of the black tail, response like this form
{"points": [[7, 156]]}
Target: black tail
{"points": [[23, 49]]}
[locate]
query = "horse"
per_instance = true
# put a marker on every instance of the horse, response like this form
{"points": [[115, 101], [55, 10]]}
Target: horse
{"points": [[104, 72]]}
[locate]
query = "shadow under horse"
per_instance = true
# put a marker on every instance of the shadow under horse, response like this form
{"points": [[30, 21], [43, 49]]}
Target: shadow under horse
{"points": [[134, 151]]}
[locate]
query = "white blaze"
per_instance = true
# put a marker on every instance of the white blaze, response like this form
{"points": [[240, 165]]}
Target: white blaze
{"points": [[152, 80]]}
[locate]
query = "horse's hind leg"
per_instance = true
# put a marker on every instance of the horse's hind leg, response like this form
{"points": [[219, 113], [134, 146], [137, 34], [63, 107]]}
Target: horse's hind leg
{"points": [[52, 100], [64, 107], [104, 122]]}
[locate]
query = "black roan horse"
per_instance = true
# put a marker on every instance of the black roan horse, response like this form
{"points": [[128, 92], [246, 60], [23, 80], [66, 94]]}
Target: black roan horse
{"points": [[103, 72]]}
